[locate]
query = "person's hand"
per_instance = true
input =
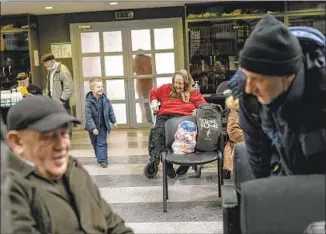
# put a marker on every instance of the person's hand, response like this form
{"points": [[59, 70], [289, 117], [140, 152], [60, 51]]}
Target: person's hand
{"points": [[154, 106], [95, 132], [194, 112], [115, 125]]}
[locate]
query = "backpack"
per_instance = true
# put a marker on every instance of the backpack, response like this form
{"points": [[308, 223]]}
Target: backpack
{"points": [[209, 125]]}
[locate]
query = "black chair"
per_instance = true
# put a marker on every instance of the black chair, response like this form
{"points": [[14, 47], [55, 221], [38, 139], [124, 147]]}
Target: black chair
{"points": [[231, 199], [221, 88], [284, 204], [193, 159]]}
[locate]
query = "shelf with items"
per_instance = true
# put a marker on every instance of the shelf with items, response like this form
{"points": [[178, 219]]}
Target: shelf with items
{"points": [[206, 47], [318, 22], [232, 11], [251, 10], [216, 34], [211, 50], [15, 56], [214, 48], [18, 45]]}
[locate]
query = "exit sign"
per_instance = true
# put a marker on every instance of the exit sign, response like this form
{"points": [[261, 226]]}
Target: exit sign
{"points": [[119, 15]]}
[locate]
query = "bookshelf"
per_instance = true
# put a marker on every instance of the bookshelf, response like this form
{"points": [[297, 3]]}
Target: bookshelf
{"points": [[18, 40], [216, 32]]}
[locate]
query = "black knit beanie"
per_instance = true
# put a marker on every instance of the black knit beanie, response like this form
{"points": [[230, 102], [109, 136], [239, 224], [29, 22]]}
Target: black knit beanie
{"points": [[271, 49]]}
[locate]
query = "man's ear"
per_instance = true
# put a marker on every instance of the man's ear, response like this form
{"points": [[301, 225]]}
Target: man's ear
{"points": [[14, 142], [290, 78]]}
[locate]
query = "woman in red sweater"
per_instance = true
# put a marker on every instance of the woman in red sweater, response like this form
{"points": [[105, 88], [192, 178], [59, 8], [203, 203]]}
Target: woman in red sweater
{"points": [[176, 99]]}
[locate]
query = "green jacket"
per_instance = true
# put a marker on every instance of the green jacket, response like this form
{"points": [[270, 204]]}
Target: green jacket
{"points": [[39, 207]]}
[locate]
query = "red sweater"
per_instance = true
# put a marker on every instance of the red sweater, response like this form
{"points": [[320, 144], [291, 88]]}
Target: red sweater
{"points": [[175, 105]]}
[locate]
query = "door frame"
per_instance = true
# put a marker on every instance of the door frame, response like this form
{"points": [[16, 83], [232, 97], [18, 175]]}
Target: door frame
{"points": [[77, 28]]}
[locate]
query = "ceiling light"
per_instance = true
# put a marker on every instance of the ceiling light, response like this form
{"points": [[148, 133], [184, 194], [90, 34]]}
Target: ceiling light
{"points": [[113, 3], [48, 8]]}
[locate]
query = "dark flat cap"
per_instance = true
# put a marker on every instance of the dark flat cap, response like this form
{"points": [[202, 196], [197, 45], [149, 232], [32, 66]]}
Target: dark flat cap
{"points": [[47, 57], [39, 113]]}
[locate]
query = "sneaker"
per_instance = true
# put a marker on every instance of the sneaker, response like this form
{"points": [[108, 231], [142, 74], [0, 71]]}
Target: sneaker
{"points": [[150, 170], [170, 170], [104, 164], [182, 170]]}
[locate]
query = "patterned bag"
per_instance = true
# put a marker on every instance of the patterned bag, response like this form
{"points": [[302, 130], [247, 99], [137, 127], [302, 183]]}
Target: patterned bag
{"points": [[185, 138]]}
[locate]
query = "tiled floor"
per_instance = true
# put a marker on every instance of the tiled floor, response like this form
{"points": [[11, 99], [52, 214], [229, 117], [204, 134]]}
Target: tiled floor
{"points": [[193, 205]]}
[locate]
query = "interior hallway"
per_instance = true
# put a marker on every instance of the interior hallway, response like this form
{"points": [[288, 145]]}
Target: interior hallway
{"points": [[193, 207]]}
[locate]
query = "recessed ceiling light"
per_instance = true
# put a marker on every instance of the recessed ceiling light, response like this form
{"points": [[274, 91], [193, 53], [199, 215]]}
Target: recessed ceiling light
{"points": [[113, 3], [48, 8]]}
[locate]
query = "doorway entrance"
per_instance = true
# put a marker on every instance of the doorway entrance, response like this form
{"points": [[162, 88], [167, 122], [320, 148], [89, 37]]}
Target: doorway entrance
{"points": [[131, 57]]}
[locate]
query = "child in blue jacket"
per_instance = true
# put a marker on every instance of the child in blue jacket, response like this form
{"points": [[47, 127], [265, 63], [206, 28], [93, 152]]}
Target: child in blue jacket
{"points": [[99, 114]]}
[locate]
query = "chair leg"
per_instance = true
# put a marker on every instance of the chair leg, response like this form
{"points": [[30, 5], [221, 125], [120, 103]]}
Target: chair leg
{"points": [[219, 177], [165, 185], [221, 168]]}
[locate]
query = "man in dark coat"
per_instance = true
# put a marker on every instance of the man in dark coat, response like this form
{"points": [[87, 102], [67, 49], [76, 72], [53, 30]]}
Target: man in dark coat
{"points": [[283, 106]]}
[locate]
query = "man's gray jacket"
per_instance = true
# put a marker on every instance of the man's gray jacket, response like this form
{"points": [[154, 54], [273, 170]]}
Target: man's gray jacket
{"points": [[63, 85]]}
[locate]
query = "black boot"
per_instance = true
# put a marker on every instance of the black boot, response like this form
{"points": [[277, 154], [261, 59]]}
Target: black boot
{"points": [[150, 170], [226, 174], [182, 170], [170, 170]]}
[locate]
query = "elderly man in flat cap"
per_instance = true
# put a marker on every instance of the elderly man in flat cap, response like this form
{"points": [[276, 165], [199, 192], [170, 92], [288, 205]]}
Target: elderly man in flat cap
{"points": [[51, 192]]}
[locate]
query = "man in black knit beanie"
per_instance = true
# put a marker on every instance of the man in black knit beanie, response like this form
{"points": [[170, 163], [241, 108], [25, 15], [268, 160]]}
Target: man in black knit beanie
{"points": [[283, 101]]}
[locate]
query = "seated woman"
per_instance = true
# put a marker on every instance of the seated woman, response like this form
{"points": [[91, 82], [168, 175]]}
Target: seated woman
{"points": [[235, 134], [177, 99]]}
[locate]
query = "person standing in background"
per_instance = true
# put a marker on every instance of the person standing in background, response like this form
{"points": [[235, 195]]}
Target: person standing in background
{"points": [[142, 65], [59, 85]]}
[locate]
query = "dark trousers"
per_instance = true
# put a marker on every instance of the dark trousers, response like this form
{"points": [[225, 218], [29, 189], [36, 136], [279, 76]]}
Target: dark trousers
{"points": [[242, 170], [100, 144], [69, 125], [156, 144]]}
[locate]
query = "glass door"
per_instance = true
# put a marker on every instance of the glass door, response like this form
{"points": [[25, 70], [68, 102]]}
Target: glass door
{"points": [[153, 63], [131, 58], [102, 57]]}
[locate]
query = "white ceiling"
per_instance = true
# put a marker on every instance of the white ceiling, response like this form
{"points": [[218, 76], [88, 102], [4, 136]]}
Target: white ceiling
{"points": [[11, 7]]}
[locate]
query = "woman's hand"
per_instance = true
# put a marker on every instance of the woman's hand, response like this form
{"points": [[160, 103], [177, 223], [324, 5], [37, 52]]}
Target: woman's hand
{"points": [[154, 106], [194, 112]]}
